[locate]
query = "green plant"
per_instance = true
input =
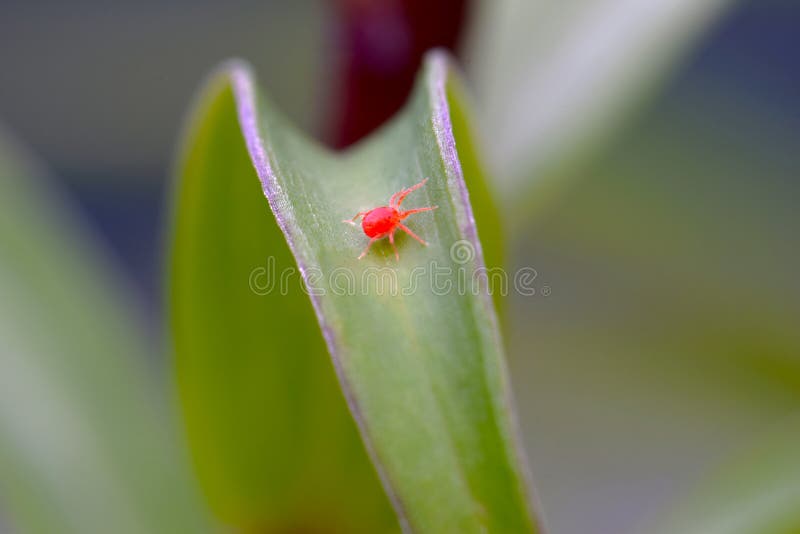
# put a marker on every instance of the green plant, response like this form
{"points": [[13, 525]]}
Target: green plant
{"points": [[421, 370], [359, 409]]}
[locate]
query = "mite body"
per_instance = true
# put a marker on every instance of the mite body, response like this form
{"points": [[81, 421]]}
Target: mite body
{"points": [[384, 221]]}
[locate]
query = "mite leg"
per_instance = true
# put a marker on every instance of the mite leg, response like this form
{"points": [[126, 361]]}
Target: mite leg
{"points": [[353, 220], [398, 197], [404, 214], [407, 230], [391, 241], [371, 241]]}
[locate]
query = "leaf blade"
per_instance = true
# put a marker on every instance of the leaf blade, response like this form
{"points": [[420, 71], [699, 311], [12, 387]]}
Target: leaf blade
{"points": [[233, 406], [422, 372]]}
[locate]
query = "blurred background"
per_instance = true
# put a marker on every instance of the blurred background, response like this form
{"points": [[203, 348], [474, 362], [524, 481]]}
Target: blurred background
{"points": [[660, 210]]}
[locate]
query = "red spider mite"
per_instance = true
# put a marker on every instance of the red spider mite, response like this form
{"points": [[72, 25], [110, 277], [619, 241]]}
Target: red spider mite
{"points": [[385, 220]]}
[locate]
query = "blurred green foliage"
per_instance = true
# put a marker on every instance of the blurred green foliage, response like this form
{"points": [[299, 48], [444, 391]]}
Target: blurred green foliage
{"points": [[757, 490], [86, 444], [554, 79], [670, 338]]}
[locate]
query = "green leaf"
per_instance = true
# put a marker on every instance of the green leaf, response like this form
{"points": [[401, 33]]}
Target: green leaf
{"points": [[84, 444], [555, 78], [422, 371], [755, 492]]}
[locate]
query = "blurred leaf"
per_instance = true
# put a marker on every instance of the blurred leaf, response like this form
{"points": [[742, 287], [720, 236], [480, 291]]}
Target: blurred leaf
{"points": [[756, 492], [555, 77], [84, 447], [422, 372], [670, 337]]}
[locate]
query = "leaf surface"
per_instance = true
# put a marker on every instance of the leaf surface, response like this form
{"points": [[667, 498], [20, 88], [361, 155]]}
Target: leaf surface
{"points": [[417, 354]]}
